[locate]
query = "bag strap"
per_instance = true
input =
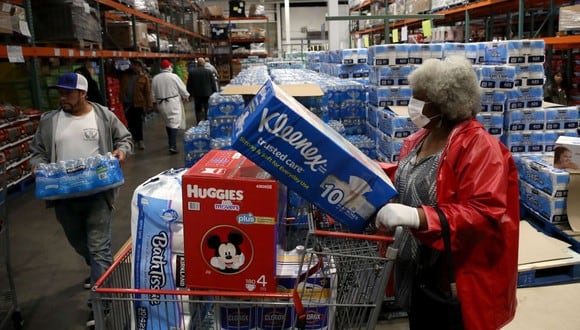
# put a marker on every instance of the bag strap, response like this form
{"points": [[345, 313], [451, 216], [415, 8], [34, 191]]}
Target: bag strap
{"points": [[447, 243]]}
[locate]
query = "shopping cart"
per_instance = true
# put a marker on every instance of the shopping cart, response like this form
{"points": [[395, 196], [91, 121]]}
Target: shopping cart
{"points": [[8, 303], [340, 284]]}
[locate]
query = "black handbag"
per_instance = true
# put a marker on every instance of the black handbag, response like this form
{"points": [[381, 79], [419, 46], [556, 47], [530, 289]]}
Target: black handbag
{"points": [[447, 302]]}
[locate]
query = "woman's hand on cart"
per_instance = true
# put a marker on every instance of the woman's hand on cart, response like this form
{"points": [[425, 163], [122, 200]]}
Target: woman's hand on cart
{"points": [[392, 215]]}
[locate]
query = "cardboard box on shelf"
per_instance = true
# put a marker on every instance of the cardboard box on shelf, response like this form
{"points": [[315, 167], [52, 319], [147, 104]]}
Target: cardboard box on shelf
{"points": [[76, 21], [18, 19], [5, 23], [569, 18], [417, 6], [232, 209], [214, 11], [121, 34], [236, 67]]}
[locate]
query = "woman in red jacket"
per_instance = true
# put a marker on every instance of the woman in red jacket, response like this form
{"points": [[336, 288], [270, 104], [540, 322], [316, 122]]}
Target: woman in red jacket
{"points": [[453, 164]]}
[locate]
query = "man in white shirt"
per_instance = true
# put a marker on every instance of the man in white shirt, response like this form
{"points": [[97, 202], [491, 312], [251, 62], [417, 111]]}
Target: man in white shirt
{"points": [[81, 129]]}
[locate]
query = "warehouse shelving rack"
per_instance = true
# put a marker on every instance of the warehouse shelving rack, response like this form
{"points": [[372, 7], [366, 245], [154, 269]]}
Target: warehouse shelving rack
{"points": [[110, 10], [232, 41], [485, 10]]}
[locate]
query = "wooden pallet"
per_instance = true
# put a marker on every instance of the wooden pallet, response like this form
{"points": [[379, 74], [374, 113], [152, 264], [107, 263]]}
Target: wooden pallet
{"points": [[76, 44]]}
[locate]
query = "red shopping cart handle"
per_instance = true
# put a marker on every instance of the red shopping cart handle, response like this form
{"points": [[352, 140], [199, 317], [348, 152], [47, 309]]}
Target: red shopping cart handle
{"points": [[301, 318]]}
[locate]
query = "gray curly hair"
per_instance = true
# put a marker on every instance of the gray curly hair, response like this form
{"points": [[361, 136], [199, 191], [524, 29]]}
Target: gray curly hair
{"points": [[451, 85]]}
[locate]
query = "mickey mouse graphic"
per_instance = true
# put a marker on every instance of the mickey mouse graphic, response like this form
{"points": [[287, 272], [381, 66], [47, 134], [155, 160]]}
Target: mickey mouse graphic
{"points": [[228, 257]]}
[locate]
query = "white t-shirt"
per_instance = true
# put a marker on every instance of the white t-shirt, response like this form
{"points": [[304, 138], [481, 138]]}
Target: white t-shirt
{"points": [[76, 136]]}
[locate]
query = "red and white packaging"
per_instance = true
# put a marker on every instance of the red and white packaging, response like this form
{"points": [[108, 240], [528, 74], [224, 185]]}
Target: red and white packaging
{"points": [[231, 209]]}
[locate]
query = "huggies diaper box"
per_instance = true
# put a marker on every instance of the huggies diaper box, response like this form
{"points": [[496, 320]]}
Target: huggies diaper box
{"points": [[299, 149], [231, 210]]}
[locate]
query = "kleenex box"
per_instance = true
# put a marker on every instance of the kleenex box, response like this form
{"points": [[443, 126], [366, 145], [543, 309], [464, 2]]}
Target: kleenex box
{"points": [[299, 149]]}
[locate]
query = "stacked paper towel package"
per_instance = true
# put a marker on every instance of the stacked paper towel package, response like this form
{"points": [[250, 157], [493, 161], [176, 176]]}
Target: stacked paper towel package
{"points": [[78, 177], [543, 188], [158, 254]]}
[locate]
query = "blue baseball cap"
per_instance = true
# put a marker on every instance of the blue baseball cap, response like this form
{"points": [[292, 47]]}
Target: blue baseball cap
{"points": [[72, 81]]}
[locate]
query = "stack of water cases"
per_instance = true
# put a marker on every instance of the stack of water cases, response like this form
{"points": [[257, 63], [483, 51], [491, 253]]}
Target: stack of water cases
{"points": [[216, 132], [285, 64], [196, 143], [343, 103], [223, 112], [313, 60], [255, 75]]}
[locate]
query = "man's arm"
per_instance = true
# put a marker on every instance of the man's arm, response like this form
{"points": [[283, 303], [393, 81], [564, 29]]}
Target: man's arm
{"points": [[38, 148]]}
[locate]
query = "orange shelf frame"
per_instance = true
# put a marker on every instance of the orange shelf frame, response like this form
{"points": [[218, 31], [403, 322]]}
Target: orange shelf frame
{"points": [[84, 53], [479, 8], [563, 42]]}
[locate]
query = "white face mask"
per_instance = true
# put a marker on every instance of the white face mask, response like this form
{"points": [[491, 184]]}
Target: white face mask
{"points": [[416, 113]]}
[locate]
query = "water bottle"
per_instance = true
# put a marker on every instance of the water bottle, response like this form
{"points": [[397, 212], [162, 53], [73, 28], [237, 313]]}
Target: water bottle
{"points": [[114, 166], [43, 181]]}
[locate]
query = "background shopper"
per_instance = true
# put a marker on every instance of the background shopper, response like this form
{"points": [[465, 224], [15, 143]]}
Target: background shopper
{"points": [[556, 90], [167, 92], [93, 92], [136, 100], [201, 84]]}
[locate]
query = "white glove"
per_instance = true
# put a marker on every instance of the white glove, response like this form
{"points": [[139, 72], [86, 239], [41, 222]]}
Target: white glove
{"points": [[395, 214]]}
